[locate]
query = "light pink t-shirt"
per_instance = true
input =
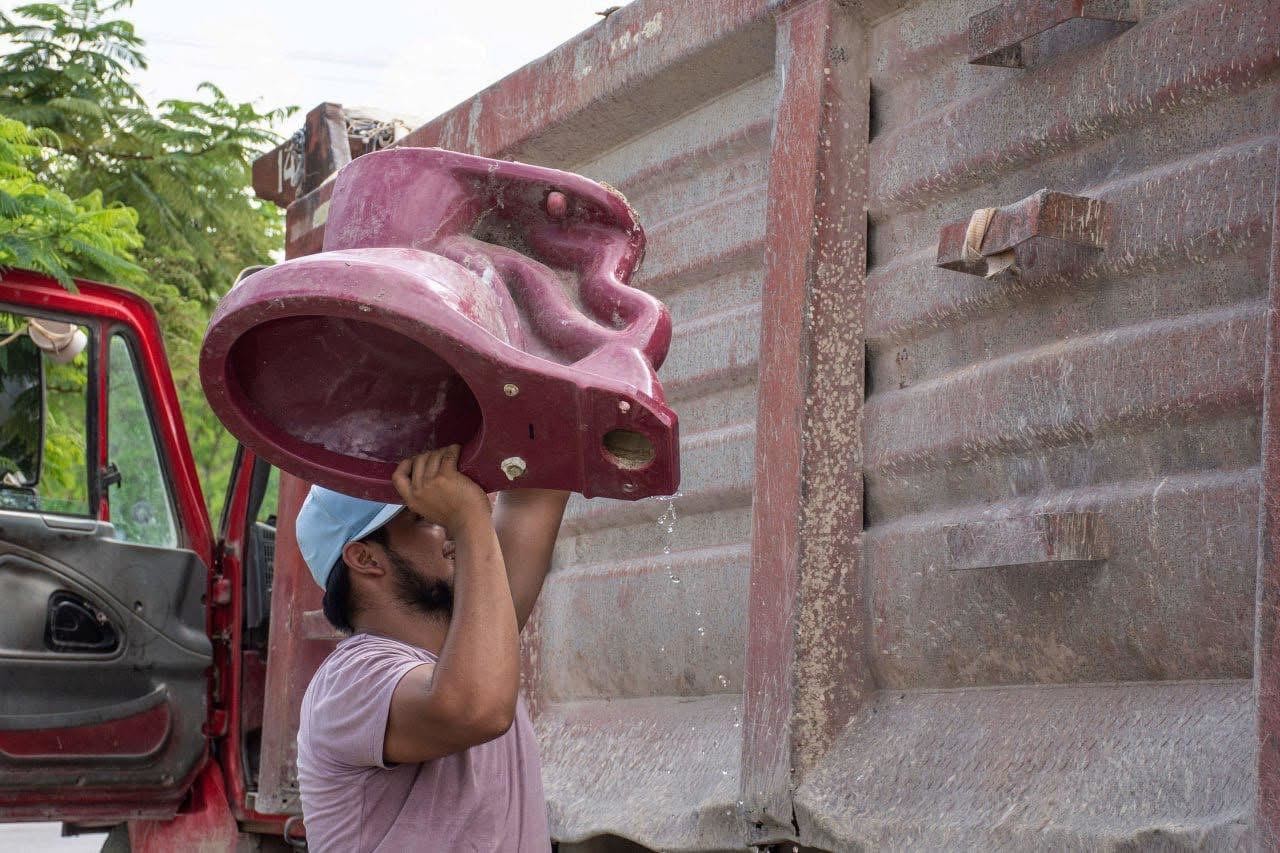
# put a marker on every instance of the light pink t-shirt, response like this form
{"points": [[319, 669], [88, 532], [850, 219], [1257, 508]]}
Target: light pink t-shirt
{"points": [[488, 798]]}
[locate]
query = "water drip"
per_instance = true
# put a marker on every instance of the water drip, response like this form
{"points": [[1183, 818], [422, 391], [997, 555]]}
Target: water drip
{"points": [[667, 524]]}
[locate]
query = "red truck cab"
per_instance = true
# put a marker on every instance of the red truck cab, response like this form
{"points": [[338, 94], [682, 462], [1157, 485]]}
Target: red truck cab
{"points": [[134, 640]]}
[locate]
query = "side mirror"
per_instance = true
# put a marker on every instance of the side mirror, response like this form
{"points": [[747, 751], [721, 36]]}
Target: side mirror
{"points": [[22, 411]]}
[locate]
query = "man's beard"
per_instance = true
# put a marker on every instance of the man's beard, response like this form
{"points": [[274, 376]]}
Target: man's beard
{"points": [[432, 598]]}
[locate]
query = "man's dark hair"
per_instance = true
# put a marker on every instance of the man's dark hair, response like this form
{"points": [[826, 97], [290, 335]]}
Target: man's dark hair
{"points": [[338, 603]]}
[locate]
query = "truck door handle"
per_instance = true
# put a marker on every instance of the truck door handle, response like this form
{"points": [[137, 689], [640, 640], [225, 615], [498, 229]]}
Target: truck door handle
{"points": [[75, 625]]}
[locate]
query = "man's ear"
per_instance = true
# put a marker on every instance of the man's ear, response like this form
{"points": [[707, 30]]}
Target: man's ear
{"points": [[361, 559]]}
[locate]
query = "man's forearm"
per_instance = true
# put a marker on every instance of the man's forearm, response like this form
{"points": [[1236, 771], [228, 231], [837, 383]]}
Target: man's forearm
{"points": [[479, 665]]}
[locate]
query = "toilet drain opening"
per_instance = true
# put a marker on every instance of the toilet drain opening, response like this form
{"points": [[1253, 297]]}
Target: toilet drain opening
{"points": [[629, 449]]}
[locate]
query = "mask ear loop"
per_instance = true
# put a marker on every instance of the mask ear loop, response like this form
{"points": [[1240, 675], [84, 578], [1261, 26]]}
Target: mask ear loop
{"points": [[21, 331], [60, 340], [60, 344]]}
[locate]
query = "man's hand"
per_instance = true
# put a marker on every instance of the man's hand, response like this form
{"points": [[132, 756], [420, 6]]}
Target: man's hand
{"points": [[431, 485]]}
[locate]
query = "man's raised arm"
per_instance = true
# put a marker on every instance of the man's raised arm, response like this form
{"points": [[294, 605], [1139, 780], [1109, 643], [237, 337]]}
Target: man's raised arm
{"points": [[469, 695], [527, 522]]}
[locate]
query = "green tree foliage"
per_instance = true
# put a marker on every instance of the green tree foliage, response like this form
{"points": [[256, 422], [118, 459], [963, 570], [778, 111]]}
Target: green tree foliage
{"points": [[46, 230], [183, 166], [64, 476]]}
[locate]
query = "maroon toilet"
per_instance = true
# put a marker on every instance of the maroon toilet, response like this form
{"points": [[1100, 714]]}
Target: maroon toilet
{"points": [[457, 300]]}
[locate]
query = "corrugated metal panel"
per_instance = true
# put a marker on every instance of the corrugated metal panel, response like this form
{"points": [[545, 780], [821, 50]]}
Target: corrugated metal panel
{"points": [[1126, 389], [993, 770], [647, 599], [651, 769], [1092, 390]]}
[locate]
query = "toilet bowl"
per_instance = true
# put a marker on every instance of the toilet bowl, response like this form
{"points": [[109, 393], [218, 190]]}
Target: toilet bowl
{"points": [[461, 300]]}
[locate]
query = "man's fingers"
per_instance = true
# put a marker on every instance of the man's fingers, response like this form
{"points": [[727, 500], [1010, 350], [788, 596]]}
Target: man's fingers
{"points": [[415, 475], [401, 478], [449, 459], [433, 464], [419, 467]]}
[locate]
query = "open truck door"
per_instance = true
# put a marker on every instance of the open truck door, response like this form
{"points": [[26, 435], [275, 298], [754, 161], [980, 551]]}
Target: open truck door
{"points": [[105, 549]]}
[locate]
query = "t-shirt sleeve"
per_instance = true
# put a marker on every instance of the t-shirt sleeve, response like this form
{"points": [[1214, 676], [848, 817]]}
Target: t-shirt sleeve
{"points": [[349, 716]]}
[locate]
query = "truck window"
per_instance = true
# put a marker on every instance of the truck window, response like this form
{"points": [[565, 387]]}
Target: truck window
{"points": [[266, 513], [44, 459], [260, 558], [141, 507]]}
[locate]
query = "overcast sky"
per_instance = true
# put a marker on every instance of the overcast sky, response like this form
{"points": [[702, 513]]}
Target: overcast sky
{"points": [[414, 58]]}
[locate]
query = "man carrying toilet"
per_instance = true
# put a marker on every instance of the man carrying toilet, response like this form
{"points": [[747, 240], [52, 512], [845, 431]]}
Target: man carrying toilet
{"points": [[413, 735]]}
